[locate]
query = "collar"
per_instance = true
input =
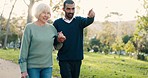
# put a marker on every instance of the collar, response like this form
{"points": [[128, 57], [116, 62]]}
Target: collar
{"points": [[67, 20]]}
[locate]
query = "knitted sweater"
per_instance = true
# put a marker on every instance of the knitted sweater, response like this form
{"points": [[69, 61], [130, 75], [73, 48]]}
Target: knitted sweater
{"points": [[73, 45], [37, 46]]}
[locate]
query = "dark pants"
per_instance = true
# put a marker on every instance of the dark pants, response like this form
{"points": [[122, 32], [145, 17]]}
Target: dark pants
{"points": [[70, 69]]}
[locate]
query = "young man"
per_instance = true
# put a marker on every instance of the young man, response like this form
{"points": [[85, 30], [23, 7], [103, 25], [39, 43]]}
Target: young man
{"points": [[71, 53]]}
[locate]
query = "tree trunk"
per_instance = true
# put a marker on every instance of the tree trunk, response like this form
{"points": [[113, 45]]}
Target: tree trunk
{"points": [[29, 17], [7, 25], [30, 5]]}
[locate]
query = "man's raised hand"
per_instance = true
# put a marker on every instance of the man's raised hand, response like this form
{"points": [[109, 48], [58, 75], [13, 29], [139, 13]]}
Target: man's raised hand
{"points": [[91, 13]]}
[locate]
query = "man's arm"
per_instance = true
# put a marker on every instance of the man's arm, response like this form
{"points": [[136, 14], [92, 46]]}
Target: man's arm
{"points": [[89, 20]]}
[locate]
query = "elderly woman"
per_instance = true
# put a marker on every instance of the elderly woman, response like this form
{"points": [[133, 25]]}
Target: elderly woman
{"points": [[37, 45]]}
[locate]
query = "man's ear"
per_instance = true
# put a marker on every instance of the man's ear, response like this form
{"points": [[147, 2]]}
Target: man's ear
{"points": [[63, 8]]}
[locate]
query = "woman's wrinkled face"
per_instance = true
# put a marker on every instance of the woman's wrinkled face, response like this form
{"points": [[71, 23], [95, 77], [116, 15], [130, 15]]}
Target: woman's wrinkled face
{"points": [[44, 16]]}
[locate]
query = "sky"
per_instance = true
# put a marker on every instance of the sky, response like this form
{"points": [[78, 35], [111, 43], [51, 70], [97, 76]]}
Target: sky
{"points": [[101, 8]]}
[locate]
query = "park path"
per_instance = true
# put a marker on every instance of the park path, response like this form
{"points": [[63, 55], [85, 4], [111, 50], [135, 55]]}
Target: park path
{"points": [[9, 69]]}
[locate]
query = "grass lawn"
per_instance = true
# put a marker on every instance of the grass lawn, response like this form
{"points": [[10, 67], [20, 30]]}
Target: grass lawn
{"points": [[97, 65]]}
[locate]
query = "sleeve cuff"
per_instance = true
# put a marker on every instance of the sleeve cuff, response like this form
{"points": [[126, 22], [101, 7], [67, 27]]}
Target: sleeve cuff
{"points": [[23, 67]]}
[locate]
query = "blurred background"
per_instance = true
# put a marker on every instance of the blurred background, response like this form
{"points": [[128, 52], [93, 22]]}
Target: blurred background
{"points": [[120, 26]]}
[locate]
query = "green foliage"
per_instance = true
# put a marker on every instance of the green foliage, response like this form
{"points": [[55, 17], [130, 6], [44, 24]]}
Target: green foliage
{"points": [[2, 37], [142, 23], [145, 5], [126, 38], [140, 38], [129, 47], [118, 45], [94, 42], [11, 37], [99, 46], [108, 33], [141, 33], [16, 25], [107, 49]]}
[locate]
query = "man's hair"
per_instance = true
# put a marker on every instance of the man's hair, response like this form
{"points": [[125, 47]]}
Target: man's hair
{"points": [[68, 2]]}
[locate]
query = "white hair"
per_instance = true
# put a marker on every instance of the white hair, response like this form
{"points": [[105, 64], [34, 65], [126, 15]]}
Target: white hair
{"points": [[41, 7]]}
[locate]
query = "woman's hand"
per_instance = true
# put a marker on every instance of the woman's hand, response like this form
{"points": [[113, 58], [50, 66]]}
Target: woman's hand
{"points": [[24, 75], [61, 38]]}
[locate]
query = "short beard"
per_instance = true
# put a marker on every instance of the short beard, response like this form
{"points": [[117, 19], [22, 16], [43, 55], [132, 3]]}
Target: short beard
{"points": [[69, 16]]}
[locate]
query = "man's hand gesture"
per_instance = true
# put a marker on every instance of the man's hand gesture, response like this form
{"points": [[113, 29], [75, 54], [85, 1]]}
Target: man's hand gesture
{"points": [[91, 13]]}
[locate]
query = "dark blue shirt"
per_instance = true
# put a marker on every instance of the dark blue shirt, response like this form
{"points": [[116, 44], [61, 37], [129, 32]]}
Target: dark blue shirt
{"points": [[72, 48]]}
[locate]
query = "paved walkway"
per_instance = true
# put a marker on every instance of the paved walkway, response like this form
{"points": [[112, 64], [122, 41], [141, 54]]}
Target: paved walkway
{"points": [[9, 69]]}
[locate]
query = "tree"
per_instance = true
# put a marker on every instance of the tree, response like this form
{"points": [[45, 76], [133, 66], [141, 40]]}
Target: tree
{"points": [[107, 34], [118, 15], [118, 45], [140, 38], [7, 24], [129, 47], [30, 5], [94, 44], [126, 38], [141, 33]]}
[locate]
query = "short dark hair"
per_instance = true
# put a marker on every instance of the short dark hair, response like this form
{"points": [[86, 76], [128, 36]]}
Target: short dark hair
{"points": [[68, 2]]}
